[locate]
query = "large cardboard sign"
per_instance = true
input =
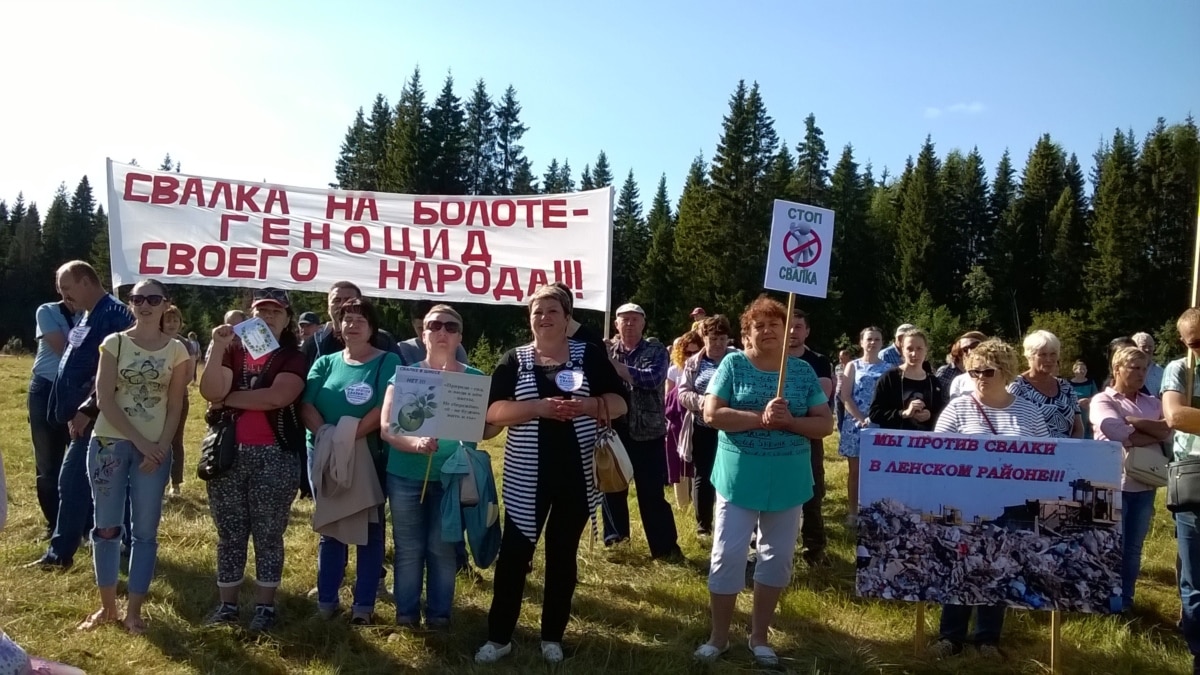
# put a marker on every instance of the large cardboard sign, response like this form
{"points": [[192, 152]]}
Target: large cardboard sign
{"points": [[220, 232], [801, 246], [981, 520]]}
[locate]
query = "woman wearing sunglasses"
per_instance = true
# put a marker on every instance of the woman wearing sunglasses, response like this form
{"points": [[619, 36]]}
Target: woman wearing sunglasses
{"points": [[954, 368], [140, 388], [417, 525], [349, 383], [254, 497], [989, 410]]}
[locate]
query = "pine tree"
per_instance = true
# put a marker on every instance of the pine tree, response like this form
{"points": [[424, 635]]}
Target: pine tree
{"points": [[513, 173], [812, 175], [100, 257], [24, 269], [552, 179], [964, 188], [481, 142], [409, 153], [564, 177], [853, 242], [80, 231], [602, 172], [657, 291], [374, 152], [998, 277], [697, 249], [585, 179], [1167, 200], [56, 228], [167, 164], [1116, 269], [781, 174], [350, 168], [629, 245], [17, 214], [447, 144], [1042, 184], [919, 239]]}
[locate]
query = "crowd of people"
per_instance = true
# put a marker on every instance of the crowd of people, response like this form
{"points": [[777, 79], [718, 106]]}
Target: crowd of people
{"points": [[740, 444]]}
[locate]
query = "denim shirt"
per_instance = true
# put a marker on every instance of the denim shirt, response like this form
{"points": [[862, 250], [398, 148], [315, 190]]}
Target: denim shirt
{"points": [[80, 360]]}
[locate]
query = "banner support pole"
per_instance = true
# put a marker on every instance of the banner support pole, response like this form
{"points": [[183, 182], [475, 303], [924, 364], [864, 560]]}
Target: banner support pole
{"points": [[787, 329], [1055, 640], [919, 631]]}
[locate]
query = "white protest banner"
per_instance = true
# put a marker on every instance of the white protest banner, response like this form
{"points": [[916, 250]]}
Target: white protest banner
{"points": [[439, 404], [800, 247], [979, 520], [218, 232]]}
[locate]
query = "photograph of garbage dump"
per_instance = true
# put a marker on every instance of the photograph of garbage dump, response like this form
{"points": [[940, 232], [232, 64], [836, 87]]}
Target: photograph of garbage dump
{"points": [[974, 540]]}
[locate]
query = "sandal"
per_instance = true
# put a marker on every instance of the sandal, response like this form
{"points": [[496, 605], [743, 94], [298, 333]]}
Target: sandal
{"points": [[763, 655], [707, 653], [490, 653], [97, 619], [552, 652]]}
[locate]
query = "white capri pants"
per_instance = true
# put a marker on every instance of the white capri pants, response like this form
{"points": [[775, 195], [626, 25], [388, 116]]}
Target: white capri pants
{"points": [[732, 528]]}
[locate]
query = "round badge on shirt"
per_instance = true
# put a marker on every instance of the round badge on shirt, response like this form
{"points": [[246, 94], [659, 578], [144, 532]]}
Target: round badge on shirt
{"points": [[358, 394], [569, 380]]}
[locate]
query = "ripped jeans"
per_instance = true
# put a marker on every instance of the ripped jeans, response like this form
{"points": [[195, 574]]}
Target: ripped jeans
{"points": [[114, 470]]}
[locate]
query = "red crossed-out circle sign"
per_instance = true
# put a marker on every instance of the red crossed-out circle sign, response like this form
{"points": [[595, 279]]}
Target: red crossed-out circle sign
{"points": [[802, 250]]}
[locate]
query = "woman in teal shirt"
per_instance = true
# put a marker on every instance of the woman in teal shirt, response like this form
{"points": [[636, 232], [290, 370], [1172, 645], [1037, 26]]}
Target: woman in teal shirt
{"points": [[762, 474], [349, 383], [416, 524]]}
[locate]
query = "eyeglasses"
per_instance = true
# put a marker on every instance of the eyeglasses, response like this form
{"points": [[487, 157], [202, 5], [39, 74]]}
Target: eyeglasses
{"points": [[449, 326], [152, 300], [691, 352], [985, 373], [969, 347], [273, 294]]}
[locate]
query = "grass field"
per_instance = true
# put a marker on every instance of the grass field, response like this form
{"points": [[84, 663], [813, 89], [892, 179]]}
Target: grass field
{"points": [[630, 615]]}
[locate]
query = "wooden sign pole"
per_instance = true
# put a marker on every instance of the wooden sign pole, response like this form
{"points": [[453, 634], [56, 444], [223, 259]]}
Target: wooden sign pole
{"points": [[1055, 640], [787, 329], [919, 631]]}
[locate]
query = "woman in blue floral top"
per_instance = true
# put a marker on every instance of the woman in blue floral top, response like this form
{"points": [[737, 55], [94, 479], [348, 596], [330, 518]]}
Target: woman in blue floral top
{"points": [[857, 385]]}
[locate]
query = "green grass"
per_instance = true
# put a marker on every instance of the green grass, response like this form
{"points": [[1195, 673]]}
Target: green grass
{"points": [[630, 615]]}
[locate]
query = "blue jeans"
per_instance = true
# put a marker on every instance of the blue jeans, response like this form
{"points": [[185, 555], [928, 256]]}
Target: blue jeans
{"points": [[114, 471], [74, 501], [1137, 509], [332, 557], [1187, 530], [49, 445], [989, 621], [419, 548]]}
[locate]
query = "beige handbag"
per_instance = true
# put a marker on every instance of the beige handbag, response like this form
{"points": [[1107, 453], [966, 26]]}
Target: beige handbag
{"points": [[614, 471], [1147, 465]]}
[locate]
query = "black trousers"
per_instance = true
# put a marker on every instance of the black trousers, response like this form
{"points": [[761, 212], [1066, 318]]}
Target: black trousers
{"points": [[649, 461], [704, 455], [812, 529], [562, 512]]}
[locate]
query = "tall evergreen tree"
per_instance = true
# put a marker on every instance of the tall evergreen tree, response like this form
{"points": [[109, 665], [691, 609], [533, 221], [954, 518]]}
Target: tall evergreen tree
{"points": [[853, 242], [407, 167], [374, 151], [585, 179], [996, 283], [80, 229], [629, 243], [812, 175], [512, 169], [100, 256], [781, 174], [920, 229], [350, 169], [480, 142], [1115, 271], [1042, 185], [56, 228], [447, 143], [552, 179], [657, 291], [1167, 184], [26, 276], [602, 172], [697, 245], [564, 177]]}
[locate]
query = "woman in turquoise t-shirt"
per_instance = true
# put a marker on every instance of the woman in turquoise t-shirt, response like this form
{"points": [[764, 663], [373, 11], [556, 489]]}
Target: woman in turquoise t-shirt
{"points": [[350, 383], [762, 474], [417, 525]]}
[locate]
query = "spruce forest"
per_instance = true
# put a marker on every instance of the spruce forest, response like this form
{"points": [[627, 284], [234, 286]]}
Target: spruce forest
{"points": [[953, 242]]}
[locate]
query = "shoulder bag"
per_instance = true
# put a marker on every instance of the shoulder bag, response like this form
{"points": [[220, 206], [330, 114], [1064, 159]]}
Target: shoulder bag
{"points": [[614, 471], [218, 448], [1147, 465]]}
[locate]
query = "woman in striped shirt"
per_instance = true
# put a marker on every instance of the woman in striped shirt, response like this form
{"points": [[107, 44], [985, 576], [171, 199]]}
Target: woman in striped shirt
{"points": [[989, 410], [549, 394]]}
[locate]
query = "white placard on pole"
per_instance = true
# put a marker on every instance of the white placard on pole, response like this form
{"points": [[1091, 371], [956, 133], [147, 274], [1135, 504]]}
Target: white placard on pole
{"points": [[800, 247]]}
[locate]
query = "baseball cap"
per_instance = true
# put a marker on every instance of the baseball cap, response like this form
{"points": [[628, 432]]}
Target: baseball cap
{"points": [[904, 327], [698, 310], [630, 307], [308, 318], [275, 295]]}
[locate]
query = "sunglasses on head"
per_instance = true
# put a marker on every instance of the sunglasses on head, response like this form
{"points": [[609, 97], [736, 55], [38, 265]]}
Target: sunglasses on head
{"points": [[275, 294], [449, 326], [984, 373], [152, 300], [969, 347]]}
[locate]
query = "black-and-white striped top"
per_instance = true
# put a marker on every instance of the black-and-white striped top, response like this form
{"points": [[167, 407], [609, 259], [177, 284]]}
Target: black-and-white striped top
{"points": [[521, 451], [965, 415], [1059, 410]]}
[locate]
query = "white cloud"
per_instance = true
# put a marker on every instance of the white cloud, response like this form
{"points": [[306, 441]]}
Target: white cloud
{"points": [[972, 108]]}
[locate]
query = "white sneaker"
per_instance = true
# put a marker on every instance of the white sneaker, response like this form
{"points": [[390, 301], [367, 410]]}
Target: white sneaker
{"points": [[490, 653], [552, 652]]}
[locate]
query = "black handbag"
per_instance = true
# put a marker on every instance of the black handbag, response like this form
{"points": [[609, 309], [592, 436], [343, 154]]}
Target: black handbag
{"points": [[1183, 485], [218, 450]]}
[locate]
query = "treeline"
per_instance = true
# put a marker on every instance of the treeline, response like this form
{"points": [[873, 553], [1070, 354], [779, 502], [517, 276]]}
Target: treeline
{"points": [[946, 244]]}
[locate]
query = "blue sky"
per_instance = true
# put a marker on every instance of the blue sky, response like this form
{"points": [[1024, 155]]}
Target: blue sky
{"points": [[265, 90]]}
